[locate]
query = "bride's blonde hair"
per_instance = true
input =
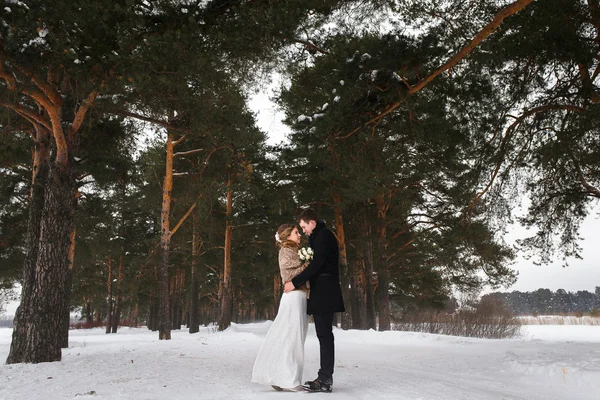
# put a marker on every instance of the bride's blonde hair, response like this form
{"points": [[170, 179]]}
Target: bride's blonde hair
{"points": [[284, 233]]}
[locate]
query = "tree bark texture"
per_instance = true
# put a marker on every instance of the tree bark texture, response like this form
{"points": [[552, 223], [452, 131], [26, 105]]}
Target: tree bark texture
{"points": [[109, 295], [136, 313], [121, 274], [367, 280], [343, 263], [69, 287], [227, 295], [89, 317], [39, 320], [153, 314], [164, 317], [382, 292], [176, 302], [194, 324], [357, 297], [116, 317]]}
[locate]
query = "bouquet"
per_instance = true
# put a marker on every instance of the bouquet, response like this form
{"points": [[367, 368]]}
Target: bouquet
{"points": [[305, 254]]}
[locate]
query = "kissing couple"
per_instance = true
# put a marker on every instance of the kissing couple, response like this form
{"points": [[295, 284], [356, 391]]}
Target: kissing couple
{"points": [[311, 287]]}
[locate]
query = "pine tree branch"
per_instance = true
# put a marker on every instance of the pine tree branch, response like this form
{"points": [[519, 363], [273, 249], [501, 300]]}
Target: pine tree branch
{"points": [[540, 109], [83, 183], [48, 92], [185, 153], [29, 114], [509, 134], [181, 139], [62, 148], [587, 84], [596, 72], [49, 99], [187, 214], [399, 249], [47, 89], [310, 45], [208, 158], [195, 203], [11, 81], [12, 85], [589, 188], [481, 36], [81, 112], [151, 120]]}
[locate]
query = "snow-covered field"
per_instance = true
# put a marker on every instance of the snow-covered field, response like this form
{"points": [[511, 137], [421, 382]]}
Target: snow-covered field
{"points": [[547, 363]]}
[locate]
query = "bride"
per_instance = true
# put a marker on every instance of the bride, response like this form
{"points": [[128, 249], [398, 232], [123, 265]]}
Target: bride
{"points": [[280, 360]]}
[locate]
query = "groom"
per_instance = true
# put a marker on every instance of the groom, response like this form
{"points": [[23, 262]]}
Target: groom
{"points": [[325, 292]]}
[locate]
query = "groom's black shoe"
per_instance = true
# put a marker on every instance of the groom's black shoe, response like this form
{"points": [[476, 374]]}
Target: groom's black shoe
{"points": [[318, 385]]}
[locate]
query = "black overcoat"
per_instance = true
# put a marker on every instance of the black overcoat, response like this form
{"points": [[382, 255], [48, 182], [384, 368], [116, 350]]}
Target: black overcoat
{"points": [[322, 273]]}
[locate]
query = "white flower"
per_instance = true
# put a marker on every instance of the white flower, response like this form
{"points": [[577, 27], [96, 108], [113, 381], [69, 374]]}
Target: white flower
{"points": [[305, 254], [277, 237]]}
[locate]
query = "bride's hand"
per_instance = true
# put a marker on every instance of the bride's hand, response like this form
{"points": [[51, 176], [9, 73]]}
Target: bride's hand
{"points": [[288, 287]]}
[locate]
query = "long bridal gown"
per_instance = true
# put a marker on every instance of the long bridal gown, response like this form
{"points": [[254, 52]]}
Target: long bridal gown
{"points": [[280, 360]]}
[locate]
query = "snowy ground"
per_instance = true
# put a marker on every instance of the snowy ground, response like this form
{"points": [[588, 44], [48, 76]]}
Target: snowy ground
{"points": [[547, 363]]}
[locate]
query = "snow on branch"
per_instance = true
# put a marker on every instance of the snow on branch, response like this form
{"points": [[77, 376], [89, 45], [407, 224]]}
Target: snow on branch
{"points": [[185, 153]]}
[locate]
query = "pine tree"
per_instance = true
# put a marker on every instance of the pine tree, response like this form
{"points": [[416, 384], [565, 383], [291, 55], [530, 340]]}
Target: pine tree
{"points": [[410, 172]]}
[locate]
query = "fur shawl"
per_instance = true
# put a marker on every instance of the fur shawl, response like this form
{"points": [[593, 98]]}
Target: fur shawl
{"points": [[290, 265]]}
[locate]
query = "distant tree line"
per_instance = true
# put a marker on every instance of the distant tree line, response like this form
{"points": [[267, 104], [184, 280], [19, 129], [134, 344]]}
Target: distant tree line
{"points": [[547, 302]]}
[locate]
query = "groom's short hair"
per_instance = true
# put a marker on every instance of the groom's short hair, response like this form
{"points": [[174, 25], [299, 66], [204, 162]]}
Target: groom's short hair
{"points": [[307, 215]]}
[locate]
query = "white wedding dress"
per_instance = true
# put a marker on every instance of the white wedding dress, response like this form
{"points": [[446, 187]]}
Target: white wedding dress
{"points": [[280, 361]]}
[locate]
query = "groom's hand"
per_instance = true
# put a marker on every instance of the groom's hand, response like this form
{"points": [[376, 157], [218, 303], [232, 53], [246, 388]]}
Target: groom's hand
{"points": [[288, 287]]}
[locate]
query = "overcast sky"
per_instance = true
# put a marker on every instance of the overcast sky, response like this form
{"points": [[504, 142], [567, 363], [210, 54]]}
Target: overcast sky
{"points": [[579, 275]]}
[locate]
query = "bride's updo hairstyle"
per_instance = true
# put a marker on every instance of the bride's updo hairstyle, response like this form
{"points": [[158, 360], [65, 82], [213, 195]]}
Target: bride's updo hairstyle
{"points": [[284, 233]]}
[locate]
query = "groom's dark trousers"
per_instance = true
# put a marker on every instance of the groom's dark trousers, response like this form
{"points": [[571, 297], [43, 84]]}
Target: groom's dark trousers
{"points": [[325, 292], [323, 326]]}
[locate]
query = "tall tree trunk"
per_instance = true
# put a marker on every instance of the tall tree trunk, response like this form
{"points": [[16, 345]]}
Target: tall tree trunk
{"points": [[109, 295], [41, 154], [88, 312], [136, 313], [117, 309], [181, 293], [68, 288], [176, 301], [359, 309], [164, 318], [382, 293], [24, 314], [153, 314], [150, 322], [227, 300], [121, 274], [367, 278], [343, 262], [39, 320], [194, 324]]}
